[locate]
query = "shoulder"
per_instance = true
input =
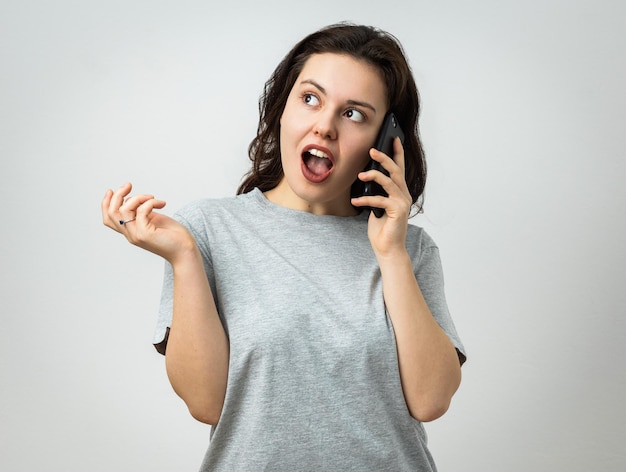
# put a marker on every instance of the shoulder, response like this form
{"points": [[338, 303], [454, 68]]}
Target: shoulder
{"points": [[418, 240], [203, 210]]}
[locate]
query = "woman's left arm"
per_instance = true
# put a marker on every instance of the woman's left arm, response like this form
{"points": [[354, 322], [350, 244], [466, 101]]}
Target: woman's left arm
{"points": [[429, 365], [430, 370]]}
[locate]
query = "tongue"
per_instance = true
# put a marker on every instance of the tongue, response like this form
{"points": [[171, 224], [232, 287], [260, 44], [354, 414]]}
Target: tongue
{"points": [[316, 165]]}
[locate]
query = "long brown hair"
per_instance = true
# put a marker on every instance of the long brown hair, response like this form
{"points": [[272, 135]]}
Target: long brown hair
{"points": [[367, 43]]}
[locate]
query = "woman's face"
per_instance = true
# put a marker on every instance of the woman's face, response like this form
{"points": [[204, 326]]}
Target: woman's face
{"points": [[330, 121]]}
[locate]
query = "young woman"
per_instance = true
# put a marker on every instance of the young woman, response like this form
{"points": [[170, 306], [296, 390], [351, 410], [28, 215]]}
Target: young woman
{"points": [[312, 334]]}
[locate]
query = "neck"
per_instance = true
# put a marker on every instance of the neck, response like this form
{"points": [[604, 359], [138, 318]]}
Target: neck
{"points": [[283, 195]]}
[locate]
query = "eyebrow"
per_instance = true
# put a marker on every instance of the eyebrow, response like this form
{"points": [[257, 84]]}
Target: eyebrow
{"points": [[350, 102]]}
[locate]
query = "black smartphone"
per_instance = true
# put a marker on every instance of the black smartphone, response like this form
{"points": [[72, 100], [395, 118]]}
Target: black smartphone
{"points": [[389, 130]]}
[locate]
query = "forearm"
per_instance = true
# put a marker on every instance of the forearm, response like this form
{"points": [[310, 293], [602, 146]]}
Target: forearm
{"points": [[197, 349], [429, 366]]}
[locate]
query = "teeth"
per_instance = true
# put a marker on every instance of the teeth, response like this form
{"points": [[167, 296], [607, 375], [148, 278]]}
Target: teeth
{"points": [[318, 153]]}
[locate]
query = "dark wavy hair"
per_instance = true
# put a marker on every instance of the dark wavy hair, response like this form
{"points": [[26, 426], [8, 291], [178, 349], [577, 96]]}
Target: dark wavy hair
{"points": [[366, 43]]}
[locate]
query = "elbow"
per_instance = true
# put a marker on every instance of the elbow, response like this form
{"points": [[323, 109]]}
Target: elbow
{"points": [[430, 405], [204, 404], [205, 411], [205, 415], [204, 399], [426, 411]]}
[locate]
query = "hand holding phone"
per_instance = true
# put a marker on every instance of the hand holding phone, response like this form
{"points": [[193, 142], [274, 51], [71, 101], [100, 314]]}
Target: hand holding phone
{"points": [[389, 130]]}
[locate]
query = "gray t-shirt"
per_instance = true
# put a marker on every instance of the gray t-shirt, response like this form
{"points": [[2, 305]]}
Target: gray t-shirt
{"points": [[313, 381]]}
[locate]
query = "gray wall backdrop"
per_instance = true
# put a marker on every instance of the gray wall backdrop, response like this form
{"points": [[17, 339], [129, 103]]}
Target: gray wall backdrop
{"points": [[523, 123]]}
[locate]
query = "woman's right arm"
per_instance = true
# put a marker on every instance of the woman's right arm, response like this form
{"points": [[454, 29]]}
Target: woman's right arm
{"points": [[196, 358], [197, 349]]}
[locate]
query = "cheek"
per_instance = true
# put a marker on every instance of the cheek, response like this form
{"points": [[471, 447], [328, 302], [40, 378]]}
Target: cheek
{"points": [[288, 144], [360, 155], [291, 125]]}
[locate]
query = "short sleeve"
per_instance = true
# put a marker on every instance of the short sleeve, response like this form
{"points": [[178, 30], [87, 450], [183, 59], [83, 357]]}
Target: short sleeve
{"points": [[195, 222], [429, 275], [164, 318]]}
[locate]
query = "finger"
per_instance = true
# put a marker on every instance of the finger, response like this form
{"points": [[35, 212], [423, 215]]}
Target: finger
{"points": [[394, 185], [144, 214], [117, 200], [393, 207], [371, 201], [128, 211], [373, 175], [105, 204], [386, 161], [145, 210], [132, 203], [398, 153]]}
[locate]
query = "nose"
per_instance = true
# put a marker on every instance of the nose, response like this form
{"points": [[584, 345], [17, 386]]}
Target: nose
{"points": [[325, 126]]}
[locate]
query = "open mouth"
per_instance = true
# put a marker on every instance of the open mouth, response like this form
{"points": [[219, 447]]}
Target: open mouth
{"points": [[316, 165]]}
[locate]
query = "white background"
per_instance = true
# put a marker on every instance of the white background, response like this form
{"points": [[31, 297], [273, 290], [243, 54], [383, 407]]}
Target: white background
{"points": [[523, 124]]}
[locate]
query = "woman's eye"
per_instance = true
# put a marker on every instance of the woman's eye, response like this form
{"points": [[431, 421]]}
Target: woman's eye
{"points": [[311, 99], [355, 115]]}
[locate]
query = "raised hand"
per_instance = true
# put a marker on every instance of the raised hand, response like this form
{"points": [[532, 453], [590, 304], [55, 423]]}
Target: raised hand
{"points": [[388, 233], [135, 218]]}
